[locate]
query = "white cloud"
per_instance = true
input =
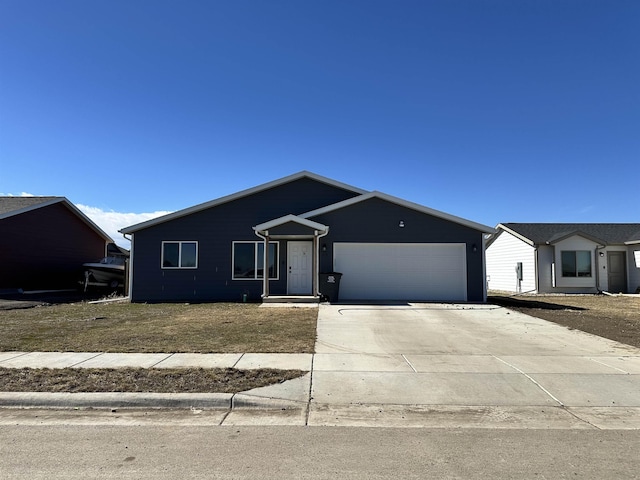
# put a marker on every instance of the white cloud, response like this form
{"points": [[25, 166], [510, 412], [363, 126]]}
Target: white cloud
{"points": [[111, 221], [21, 194]]}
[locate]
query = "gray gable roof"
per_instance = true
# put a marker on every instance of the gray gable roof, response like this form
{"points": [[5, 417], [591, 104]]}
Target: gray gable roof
{"points": [[241, 194], [542, 233], [14, 205]]}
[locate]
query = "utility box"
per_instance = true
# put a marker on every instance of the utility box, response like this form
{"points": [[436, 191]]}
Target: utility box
{"points": [[330, 286], [519, 271]]}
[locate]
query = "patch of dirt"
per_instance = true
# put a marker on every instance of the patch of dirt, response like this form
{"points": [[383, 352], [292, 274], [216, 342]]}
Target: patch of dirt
{"points": [[613, 317], [183, 380]]}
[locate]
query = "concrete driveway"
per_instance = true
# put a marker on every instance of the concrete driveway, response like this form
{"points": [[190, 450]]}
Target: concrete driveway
{"points": [[426, 363]]}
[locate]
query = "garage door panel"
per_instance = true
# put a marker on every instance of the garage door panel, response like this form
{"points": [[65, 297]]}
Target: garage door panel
{"points": [[401, 271]]}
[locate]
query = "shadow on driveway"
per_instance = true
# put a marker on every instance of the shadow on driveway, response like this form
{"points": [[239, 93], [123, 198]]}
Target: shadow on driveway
{"points": [[516, 302]]}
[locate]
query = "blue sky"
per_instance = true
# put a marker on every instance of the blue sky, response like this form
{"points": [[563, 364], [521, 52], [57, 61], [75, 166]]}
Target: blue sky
{"points": [[495, 111]]}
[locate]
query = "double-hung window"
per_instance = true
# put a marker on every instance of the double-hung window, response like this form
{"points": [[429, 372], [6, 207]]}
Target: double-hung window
{"points": [[576, 263], [248, 260], [179, 254]]}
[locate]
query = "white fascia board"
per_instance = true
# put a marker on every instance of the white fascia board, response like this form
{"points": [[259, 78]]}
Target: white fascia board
{"points": [[526, 240], [402, 203], [492, 238], [632, 242], [290, 218], [241, 194]]}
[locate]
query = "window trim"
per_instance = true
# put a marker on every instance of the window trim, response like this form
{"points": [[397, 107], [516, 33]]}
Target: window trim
{"points": [[575, 254], [180, 243], [256, 266]]}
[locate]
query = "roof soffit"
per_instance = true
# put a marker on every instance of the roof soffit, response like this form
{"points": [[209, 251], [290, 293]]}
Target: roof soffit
{"points": [[290, 219], [501, 227]]}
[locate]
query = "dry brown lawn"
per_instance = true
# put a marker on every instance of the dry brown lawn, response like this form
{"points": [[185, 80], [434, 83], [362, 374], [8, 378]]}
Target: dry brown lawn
{"points": [[613, 317], [184, 380], [145, 328], [126, 327]]}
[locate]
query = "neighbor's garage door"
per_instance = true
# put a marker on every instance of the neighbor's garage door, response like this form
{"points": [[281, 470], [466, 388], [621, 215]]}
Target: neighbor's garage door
{"points": [[401, 271]]}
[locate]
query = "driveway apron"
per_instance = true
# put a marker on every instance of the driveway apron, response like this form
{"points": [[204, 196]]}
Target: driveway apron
{"points": [[455, 356]]}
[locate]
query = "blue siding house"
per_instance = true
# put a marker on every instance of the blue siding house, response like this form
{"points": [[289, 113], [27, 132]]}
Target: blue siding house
{"points": [[277, 239]]}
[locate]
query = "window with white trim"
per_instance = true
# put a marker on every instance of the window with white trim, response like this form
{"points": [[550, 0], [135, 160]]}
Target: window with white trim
{"points": [[576, 263], [180, 254], [248, 260]]}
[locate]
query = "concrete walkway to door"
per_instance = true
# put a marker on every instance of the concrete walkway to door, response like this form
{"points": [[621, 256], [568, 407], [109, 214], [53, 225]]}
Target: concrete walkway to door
{"points": [[467, 365]]}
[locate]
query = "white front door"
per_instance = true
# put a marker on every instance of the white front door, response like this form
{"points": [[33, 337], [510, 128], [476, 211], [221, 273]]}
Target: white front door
{"points": [[299, 268]]}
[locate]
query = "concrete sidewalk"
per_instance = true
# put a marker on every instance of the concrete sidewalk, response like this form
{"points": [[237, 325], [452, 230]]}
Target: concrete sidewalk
{"points": [[245, 361], [417, 365], [291, 395]]}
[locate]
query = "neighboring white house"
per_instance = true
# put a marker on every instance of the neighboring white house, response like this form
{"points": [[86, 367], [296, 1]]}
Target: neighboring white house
{"points": [[564, 258]]}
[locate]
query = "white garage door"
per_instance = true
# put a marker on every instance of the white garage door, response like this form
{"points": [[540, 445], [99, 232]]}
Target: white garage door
{"points": [[402, 271]]}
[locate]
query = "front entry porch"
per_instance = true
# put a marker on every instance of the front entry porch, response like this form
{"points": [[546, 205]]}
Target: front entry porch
{"points": [[302, 267]]}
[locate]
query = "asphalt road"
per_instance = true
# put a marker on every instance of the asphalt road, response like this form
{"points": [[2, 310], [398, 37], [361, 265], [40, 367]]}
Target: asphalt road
{"points": [[178, 451]]}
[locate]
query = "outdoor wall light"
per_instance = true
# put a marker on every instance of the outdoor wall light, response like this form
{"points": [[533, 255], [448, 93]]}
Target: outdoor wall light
{"points": [[401, 224], [474, 248], [602, 254], [324, 247]]}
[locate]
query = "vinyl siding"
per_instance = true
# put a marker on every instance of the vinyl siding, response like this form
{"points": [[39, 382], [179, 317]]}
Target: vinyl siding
{"points": [[545, 270], [215, 229], [502, 257], [377, 221], [633, 268], [45, 248], [373, 220]]}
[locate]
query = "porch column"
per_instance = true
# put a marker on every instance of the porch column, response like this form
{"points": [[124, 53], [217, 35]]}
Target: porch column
{"points": [[265, 267], [314, 269]]}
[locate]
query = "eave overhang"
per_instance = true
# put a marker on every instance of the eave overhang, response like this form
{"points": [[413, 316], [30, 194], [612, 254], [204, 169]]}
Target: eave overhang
{"points": [[578, 233], [315, 228], [502, 227], [238, 195]]}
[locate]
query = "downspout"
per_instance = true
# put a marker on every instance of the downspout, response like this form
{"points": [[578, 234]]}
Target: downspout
{"points": [[130, 266], [535, 268], [597, 255], [317, 273], [484, 270], [265, 267]]}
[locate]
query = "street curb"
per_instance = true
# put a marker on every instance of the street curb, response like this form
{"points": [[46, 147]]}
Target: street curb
{"points": [[245, 401], [227, 401], [115, 399]]}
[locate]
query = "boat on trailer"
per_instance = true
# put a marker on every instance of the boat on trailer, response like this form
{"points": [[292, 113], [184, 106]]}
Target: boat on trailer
{"points": [[107, 272]]}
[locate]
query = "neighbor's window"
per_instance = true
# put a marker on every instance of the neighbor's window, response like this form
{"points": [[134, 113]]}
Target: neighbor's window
{"points": [[179, 254], [248, 260], [576, 263]]}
